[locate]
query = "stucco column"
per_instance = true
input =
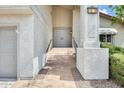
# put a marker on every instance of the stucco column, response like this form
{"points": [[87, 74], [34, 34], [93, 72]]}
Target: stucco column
{"points": [[89, 37], [92, 61]]}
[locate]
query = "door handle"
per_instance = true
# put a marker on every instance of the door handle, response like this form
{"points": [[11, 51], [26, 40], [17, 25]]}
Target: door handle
{"points": [[61, 38]]}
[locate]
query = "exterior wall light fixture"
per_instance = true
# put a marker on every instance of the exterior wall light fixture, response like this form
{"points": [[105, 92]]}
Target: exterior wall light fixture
{"points": [[92, 10]]}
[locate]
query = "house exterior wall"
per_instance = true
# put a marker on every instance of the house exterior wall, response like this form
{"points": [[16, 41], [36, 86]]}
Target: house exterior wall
{"points": [[24, 25], [119, 38], [76, 26], [89, 55], [42, 35], [62, 17], [34, 32]]}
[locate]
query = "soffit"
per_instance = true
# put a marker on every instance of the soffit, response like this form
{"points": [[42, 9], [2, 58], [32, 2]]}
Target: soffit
{"points": [[15, 10]]}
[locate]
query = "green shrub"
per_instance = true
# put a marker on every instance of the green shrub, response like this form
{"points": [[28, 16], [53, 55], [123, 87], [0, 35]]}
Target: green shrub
{"points": [[116, 62], [112, 49], [117, 68], [119, 78]]}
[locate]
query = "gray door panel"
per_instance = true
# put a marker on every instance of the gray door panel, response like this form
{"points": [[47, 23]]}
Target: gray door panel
{"points": [[8, 53], [62, 38]]}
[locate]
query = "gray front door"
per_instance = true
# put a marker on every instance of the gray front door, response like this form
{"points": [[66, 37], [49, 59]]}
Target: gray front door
{"points": [[8, 53], [62, 37]]}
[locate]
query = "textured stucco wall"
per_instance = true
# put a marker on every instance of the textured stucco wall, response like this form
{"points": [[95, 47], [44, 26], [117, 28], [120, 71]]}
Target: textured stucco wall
{"points": [[89, 28], [90, 57], [42, 34], [34, 35], [119, 38], [24, 43], [76, 25], [92, 63], [62, 17]]}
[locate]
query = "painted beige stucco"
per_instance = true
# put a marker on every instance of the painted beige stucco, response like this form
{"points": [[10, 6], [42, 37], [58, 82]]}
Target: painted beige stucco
{"points": [[15, 9], [42, 35], [24, 25], [76, 25], [34, 32], [119, 38], [89, 55], [62, 17]]}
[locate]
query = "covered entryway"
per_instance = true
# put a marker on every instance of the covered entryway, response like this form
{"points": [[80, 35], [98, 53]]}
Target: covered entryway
{"points": [[8, 52], [62, 26], [62, 37]]}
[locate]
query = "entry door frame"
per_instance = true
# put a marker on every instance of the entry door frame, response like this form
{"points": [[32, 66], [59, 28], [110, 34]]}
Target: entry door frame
{"points": [[61, 28], [17, 45]]}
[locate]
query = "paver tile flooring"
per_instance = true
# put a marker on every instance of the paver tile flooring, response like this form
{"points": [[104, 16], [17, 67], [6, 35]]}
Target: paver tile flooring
{"points": [[6, 83], [60, 72]]}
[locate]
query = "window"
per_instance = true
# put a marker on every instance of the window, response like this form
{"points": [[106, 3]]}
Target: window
{"points": [[102, 38], [106, 38]]}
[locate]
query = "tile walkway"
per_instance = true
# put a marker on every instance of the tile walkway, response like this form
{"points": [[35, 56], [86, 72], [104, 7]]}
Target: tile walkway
{"points": [[6, 83], [61, 72]]}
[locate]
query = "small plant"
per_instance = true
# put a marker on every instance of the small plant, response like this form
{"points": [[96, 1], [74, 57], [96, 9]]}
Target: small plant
{"points": [[116, 62]]}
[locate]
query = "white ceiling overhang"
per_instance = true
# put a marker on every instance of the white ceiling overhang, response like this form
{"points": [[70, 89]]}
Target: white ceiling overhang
{"points": [[15, 10], [108, 31]]}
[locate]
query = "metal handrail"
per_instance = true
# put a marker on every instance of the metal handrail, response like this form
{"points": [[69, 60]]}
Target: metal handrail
{"points": [[75, 47], [49, 45], [75, 44]]}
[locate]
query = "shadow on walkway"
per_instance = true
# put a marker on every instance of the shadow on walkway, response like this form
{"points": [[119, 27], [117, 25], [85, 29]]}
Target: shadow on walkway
{"points": [[61, 72]]}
